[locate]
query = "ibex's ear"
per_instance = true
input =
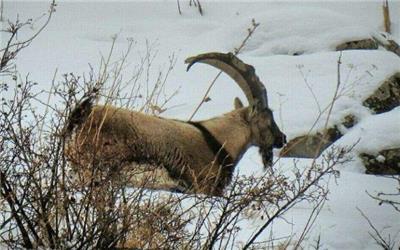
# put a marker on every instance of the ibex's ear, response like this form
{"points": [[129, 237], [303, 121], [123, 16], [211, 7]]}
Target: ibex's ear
{"points": [[238, 103]]}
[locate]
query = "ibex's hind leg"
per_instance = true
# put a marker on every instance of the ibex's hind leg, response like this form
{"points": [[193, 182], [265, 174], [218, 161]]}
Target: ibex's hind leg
{"points": [[151, 177]]}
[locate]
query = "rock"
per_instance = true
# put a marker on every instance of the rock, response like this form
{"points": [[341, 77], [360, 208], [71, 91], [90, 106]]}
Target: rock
{"points": [[310, 146], [358, 44], [385, 162], [349, 121], [387, 42], [386, 97]]}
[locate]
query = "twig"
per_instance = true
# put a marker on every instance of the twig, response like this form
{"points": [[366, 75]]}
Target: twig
{"points": [[377, 237], [386, 16], [1, 10], [199, 7], [7, 193], [51, 11], [179, 7]]}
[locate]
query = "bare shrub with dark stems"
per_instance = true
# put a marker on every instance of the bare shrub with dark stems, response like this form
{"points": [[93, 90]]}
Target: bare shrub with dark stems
{"points": [[44, 203], [194, 3], [392, 199], [14, 45]]}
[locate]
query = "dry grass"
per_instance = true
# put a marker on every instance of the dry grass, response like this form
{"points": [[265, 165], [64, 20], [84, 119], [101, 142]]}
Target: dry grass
{"points": [[386, 16]]}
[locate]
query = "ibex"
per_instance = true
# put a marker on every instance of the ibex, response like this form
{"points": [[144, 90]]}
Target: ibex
{"points": [[199, 156]]}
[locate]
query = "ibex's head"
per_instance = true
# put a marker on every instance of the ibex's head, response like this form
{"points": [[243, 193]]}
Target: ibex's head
{"points": [[264, 132]]}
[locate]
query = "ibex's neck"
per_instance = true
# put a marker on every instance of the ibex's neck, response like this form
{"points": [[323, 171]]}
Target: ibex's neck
{"points": [[231, 131]]}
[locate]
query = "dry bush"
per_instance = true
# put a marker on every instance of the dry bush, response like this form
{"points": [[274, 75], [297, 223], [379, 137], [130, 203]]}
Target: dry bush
{"points": [[42, 202], [46, 204]]}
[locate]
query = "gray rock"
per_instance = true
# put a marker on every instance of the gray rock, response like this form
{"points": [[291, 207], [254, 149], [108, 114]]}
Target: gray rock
{"points": [[386, 97], [310, 146], [358, 44], [385, 162], [349, 121]]}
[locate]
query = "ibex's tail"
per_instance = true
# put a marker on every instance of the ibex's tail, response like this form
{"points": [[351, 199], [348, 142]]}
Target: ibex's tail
{"points": [[79, 114]]}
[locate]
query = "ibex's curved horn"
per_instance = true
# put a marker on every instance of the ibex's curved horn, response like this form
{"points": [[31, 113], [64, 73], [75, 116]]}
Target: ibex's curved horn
{"points": [[242, 73]]}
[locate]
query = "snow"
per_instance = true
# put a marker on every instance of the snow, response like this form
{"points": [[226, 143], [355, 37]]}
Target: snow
{"points": [[373, 134], [300, 88], [304, 36], [287, 78], [377, 132]]}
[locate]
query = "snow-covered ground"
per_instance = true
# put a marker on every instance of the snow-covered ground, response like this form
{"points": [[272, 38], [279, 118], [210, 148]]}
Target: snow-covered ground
{"points": [[80, 31]]}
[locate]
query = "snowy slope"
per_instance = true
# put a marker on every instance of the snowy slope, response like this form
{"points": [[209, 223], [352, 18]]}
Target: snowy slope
{"points": [[81, 31]]}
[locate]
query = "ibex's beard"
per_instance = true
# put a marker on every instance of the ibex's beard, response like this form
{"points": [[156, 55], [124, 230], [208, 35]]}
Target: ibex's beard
{"points": [[267, 156]]}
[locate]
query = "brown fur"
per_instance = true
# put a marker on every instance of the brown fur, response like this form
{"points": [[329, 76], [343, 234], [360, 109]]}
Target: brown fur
{"points": [[115, 138]]}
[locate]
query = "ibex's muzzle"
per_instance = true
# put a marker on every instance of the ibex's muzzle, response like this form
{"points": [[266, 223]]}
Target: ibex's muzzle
{"points": [[280, 141]]}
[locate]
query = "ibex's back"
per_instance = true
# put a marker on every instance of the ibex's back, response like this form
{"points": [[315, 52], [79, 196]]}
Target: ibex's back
{"points": [[198, 156]]}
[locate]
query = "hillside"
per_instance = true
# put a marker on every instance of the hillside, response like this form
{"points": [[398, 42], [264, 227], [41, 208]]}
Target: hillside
{"points": [[293, 52]]}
